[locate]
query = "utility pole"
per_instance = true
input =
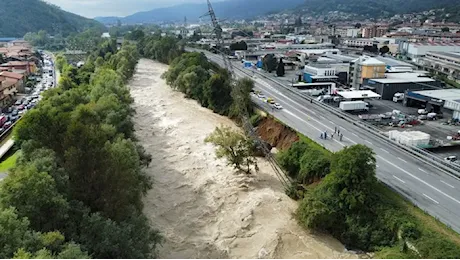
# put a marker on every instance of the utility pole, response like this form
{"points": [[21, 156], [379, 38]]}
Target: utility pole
{"points": [[220, 40]]}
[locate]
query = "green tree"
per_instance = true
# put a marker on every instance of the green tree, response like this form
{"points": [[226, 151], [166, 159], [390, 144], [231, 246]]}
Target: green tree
{"points": [[35, 196], [269, 62], [235, 147], [384, 50], [242, 103], [280, 69], [217, 92], [61, 61]]}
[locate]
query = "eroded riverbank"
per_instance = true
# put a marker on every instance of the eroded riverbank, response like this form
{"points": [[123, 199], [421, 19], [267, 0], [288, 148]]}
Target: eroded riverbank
{"points": [[201, 206]]}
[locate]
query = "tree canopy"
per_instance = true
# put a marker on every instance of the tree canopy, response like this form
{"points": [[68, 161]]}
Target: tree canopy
{"points": [[79, 180]]}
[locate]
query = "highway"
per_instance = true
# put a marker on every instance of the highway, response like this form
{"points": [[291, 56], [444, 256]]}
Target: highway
{"points": [[428, 187]]}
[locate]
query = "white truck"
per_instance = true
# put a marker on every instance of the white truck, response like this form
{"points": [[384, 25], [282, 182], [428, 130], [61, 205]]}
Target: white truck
{"points": [[354, 106], [398, 97]]}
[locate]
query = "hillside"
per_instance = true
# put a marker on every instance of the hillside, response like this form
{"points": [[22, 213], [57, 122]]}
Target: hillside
{"points": [[230, 9], [22, 16], [374, 8]]}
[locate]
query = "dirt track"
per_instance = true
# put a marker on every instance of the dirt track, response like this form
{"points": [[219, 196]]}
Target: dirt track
{"points": [[201, 206]]}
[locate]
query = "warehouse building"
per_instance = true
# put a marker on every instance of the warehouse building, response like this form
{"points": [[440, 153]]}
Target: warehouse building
{"points": [[449, 99], [399, 83]]}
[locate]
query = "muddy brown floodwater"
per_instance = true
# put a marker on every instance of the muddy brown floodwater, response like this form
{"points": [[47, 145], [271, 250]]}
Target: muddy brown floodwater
{"points": [[203, 208]]}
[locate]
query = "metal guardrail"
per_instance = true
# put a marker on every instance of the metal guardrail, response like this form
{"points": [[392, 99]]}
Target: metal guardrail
{"points": [[421, 154]]}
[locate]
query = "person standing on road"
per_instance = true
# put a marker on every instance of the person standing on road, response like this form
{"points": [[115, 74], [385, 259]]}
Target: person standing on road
{"points": [[338, 131], [341, 136], [332, 135], [325, 135], [335, 129], [321, 136]]}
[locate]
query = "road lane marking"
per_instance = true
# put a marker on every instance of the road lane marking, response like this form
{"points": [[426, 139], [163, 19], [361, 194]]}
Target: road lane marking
{"points": [[402, 160], [420, 180], [399, 179], [384, 150], [430, 198], [447, 184], [422, 170], [331, 122], [368, 142], [354, 134]]}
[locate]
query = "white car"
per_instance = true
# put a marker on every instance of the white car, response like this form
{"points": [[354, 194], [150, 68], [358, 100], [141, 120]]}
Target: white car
{"points": [[278, 106]]}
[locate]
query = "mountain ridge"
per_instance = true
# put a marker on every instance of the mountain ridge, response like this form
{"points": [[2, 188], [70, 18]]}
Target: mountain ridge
{"points": [[236, 9], [24, 16]]}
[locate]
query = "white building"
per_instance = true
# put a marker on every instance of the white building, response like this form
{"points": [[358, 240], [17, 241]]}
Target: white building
{"points": [[353, 32], [358, 42], [415, 51]]}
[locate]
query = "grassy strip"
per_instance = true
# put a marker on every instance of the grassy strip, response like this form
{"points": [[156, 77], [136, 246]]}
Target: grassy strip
{"points": [[9, 162]]}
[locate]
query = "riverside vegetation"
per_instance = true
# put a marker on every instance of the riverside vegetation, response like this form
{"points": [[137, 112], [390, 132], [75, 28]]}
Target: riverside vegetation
{"points": [[77, 188], [339, 192]]}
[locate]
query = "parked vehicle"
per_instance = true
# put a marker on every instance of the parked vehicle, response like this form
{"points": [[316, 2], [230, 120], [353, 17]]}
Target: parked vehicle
{"points": [[3, 119], [354, 106], [14, 113], [398, 97], [7, 124], [18, 102], [21, 107]]}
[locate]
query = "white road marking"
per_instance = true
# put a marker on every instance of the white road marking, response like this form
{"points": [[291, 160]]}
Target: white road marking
{"points": [[368, 142], [430, 198], [402, 160], [331, 122], [422, 170], [384, 150], [420, 180], [399, 179], [354, 134], [447, 184]]}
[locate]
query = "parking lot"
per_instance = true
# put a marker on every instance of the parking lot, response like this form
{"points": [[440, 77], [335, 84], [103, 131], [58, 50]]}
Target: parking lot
{"points": [[26, 102]]}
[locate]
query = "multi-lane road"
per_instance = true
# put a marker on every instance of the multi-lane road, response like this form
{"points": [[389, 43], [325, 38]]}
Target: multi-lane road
{"points": [[431, 189]]}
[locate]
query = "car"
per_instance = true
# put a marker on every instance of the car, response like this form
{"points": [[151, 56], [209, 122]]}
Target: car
{"points": [[22, 112], [14, 119], [7, 124], [29, 106], [2, 130], [260, 95], [9, 110], [18, 102], [21, 107], [278, 106], [451, 158], [14, 113]]}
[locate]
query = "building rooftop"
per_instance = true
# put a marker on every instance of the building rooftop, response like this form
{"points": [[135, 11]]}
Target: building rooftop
{"points": [[394, 62], [355, 94], [453, 55], [444, 94], [403, 78]]}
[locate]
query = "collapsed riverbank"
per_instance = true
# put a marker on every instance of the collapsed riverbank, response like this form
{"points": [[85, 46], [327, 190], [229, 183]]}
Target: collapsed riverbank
{"points": [[203, 208]]}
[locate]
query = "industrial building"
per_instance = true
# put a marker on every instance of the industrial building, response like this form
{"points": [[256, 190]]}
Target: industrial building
{"points": [[395, 66], [442, 98], [315, 73], [415, 51], [445, 63], [394, 83], [365, 67]]}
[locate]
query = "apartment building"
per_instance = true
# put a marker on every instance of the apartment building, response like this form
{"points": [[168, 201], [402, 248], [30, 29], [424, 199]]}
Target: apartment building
{"points": [[365, 67], [374, 31]]}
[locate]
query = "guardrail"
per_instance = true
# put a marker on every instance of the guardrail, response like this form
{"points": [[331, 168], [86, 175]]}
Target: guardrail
{"points": [[422, 154]]}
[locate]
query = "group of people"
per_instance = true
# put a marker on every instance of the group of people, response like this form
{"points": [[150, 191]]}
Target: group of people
{"points": [[336, 131]]}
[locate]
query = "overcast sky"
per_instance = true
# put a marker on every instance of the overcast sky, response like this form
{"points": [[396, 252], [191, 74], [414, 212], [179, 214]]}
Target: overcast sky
{"points": [[93, 8]]}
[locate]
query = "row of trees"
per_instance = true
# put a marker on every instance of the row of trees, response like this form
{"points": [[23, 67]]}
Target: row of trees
{"points": [[353, 206], [77, 189]]}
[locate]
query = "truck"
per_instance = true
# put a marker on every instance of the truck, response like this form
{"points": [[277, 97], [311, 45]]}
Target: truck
{"points": [[398, 97], [354, 106]]}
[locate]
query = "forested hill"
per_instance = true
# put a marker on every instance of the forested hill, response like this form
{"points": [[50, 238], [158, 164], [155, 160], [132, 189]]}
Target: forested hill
{"points": [[17, 17], [375, 8]]}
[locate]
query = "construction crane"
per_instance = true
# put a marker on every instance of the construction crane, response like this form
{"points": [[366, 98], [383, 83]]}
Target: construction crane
{"points": [[282, 176]]}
